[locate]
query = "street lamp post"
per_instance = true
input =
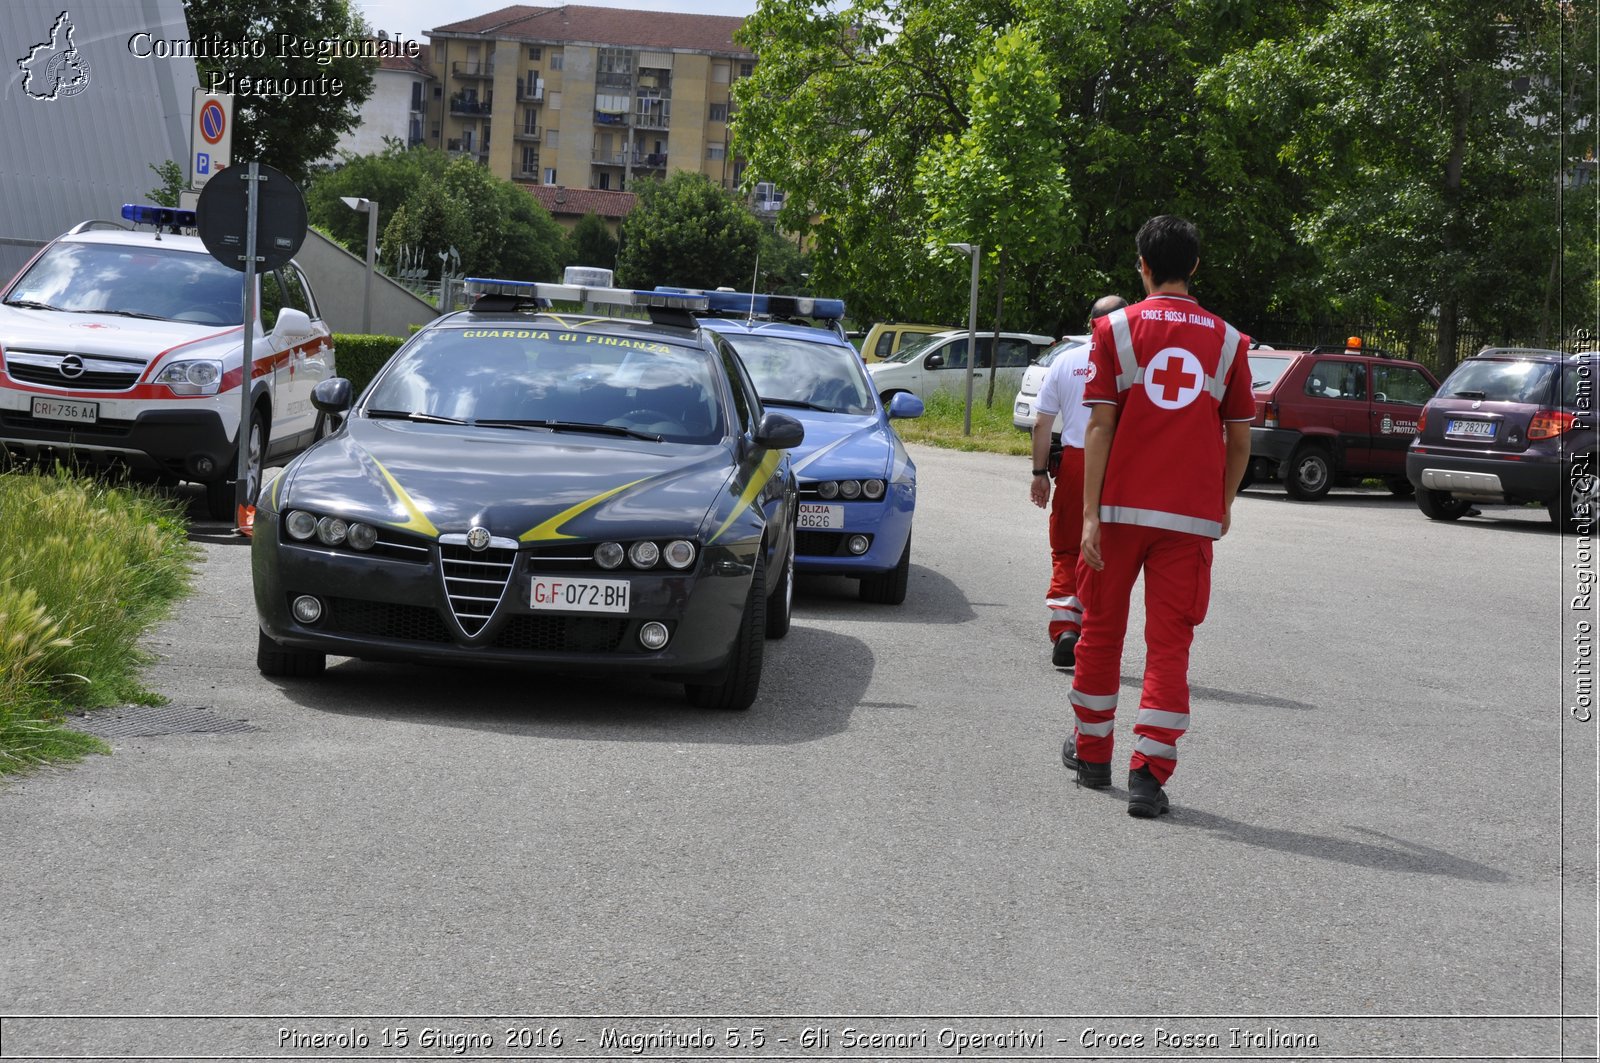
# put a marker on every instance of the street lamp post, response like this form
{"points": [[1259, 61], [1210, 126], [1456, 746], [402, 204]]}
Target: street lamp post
{"points": [[976, 252], [369, 207]]}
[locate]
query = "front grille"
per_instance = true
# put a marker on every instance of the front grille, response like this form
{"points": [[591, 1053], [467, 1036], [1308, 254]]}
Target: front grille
{"points": [[562, 634], [90, 380], [820, 544], [564, 558], [474, 582], [388, 620]]}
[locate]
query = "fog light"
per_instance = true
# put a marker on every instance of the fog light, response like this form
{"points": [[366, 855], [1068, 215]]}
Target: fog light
{"points": [[653, 635], [363, 536], [307, 609], [301, 524], [850, 489], [331, 530], [827, 489], [644, 555], [873, 489], [857, 544], [608, 555], [679, 553]]}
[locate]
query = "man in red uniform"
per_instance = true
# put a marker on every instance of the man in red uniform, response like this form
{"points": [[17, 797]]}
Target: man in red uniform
{"points": [[1062, 394], [1166, 447]]}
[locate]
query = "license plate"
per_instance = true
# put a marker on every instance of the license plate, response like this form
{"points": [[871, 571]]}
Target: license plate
{"points": [[569, 595], [66, 410], [824, 518], [1469, 429]]}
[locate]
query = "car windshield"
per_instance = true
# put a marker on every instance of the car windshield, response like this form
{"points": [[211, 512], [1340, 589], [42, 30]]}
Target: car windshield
{"points": [[909, 347], [1065, 345], [795, 372], [532, 376], [1500, 380], [1265, 369], [135, 281]]}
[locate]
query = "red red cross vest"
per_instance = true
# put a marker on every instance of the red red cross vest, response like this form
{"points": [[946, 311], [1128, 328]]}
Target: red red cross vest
{"points": [[1175, 371]]}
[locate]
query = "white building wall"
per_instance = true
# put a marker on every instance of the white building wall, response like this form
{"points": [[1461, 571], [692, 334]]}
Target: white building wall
{"points": [[386, 113]]}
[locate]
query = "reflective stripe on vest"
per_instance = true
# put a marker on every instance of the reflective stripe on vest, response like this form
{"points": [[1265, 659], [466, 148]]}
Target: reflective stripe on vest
{"points": [[1230, 344], [1127, 364], [1155, 518]]}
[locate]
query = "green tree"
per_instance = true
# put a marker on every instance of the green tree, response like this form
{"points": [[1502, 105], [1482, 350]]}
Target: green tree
{"points": [[687, 231], [287, 130], [172, 182], [388, 177], [427, 224], [590, 243], [515, 237], [1428, 141]]}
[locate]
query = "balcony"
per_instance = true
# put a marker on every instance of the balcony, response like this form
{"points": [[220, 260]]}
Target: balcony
{"points": [[652, 120], [471, 68], [460, 147], [639, 160], [532, 133], [469, 106], [528, 175], [530, 93]]}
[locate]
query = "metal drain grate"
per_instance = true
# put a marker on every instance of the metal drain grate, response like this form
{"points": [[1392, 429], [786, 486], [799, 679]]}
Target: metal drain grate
{"points": [[146, 721]]}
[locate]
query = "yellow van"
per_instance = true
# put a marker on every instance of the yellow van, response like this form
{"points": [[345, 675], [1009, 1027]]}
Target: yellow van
{"points": [[885, 338]]}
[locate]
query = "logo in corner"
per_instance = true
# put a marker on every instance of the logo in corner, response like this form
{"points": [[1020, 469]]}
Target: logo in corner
{"points": [[54, 69]]}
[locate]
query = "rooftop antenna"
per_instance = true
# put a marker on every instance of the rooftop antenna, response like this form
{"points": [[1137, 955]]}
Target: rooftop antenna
{"points": [[754, 277]]}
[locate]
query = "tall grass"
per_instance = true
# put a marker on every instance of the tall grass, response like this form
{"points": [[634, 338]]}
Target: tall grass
{"points": [[84, 569], [942, 423]]}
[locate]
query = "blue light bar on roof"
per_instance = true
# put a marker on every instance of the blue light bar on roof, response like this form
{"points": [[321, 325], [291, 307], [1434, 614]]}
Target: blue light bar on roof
{"points": [[149, 214], [776, 305], [577, 293]]}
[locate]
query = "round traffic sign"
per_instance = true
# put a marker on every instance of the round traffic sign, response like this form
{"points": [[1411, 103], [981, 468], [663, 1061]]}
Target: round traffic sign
{"points": [[213, 121], [222, 215]]}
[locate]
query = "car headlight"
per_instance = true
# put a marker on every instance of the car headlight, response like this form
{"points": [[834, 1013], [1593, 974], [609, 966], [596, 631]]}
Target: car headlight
{"points": [[609, 555], [362, 536], [872, 489], [828, 489], [679, 553], [199, 377], [644, 554], [850, 489], [332, 530], [301, 525]]}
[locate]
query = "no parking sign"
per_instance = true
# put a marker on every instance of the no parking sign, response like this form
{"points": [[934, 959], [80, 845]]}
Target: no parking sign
{"points": [[211, 137]]}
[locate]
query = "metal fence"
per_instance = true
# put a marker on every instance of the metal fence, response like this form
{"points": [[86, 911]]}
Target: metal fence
{"points": [[1419, 342]]}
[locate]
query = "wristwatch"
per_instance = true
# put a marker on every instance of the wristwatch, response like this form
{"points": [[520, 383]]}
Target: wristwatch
{"points": [[1041, 472]]}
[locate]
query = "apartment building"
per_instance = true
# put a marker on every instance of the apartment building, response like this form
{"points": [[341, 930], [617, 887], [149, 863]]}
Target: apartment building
{"points": [[588, 97]]}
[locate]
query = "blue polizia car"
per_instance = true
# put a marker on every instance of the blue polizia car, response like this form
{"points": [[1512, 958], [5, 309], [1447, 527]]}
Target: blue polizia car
{"points": [[858, 486]]}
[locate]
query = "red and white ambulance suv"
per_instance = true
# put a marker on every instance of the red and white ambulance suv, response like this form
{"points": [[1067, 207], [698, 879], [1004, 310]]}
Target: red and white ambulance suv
{"points": [[124, 347]]}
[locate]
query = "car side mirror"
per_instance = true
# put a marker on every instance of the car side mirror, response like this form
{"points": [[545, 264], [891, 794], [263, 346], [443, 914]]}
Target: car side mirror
{"points": [[333, 396], [292, 325], [933, 361], [905, 404], [777, 431]]}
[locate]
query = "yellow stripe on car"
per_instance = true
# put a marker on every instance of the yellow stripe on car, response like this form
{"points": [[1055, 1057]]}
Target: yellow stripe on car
{"points": [[550, 529], [417, 522], [758, 480]]}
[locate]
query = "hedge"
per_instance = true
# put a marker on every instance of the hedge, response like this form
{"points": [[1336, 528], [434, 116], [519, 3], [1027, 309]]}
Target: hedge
{"points": [[358, 358]]}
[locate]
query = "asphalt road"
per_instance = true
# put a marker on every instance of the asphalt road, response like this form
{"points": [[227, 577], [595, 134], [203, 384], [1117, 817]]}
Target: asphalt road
{"points": [[1383, 812]]}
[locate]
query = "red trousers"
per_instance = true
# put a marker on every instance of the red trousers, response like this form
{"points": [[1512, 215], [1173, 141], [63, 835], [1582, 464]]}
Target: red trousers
{"points": [[1066, 532], [1177, 590]]}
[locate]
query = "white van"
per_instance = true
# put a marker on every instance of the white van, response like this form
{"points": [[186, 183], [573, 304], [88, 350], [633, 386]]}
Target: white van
{"points": [[939, 363]]}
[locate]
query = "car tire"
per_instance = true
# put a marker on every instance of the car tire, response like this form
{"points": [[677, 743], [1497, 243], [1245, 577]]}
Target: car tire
{"points": [[279, 661], [1310, 473], [742, 680], [1399, 486], [1578, 504], [889, 588], [780, 603], [1441, 505], [220, 496]]}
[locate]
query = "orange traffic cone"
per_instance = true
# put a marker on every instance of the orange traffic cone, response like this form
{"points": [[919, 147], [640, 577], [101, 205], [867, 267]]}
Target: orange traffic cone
{"points": [[247, 520]]}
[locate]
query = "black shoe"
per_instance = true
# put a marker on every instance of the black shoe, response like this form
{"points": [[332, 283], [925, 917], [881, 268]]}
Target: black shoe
{"points": [[1094, 776], [1146, 798], [1065, 654]]}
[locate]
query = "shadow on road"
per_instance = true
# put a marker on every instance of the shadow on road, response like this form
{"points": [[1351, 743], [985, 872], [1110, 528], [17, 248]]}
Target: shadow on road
{"points": [[1389, 854], [1227, 697], [931, 598], [795, 705]]}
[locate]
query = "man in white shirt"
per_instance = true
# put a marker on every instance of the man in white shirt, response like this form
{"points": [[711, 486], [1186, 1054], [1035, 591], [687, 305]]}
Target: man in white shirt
{"points": [[1062, 394]]}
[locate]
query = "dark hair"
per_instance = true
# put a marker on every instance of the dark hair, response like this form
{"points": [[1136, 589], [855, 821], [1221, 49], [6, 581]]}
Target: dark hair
{"points": [[1105, 304], [1170, 246]]}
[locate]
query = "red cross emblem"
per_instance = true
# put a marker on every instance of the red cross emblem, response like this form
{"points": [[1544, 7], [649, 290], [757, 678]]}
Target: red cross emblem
{"points": [[1174, 378], [1171, 378]]}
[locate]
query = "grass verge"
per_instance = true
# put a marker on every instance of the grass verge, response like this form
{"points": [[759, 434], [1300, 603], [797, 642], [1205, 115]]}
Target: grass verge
{"points": [[941, 425], [84, 570]]}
